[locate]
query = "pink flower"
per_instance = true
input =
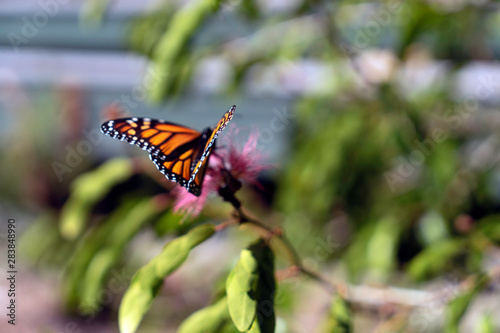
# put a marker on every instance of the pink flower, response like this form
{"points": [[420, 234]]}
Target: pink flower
{"points": [[240, 163], [189, 203]]}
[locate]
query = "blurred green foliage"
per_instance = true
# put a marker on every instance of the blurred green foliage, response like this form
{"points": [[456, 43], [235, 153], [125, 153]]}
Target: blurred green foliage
{"points": [[213, 318], [250, 289], [100, 250], [458, 305], [380, 168]]}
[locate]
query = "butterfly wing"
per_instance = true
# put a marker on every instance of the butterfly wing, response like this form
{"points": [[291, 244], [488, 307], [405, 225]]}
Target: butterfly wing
{"points": [[196, 179], [179, 152], [173, 148]]}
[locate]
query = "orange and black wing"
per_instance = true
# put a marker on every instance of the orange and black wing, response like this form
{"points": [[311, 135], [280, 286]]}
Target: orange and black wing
{"points": [[199, 170], [173, 148]]}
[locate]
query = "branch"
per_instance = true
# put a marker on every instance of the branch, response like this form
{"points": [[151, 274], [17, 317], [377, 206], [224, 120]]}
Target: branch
{"points": [[371, 297], [227, 194]]}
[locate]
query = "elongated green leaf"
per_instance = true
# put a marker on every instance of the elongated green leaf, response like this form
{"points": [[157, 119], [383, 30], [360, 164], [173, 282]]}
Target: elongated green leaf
{"points": [[88, 189], [355, 258], [241, 288], [457, 306], [168, 52], [93, 241], [111, 251], [490, 227], [93, 11], [147, 281], [36, 248], [172, 223], [432, 227], [250, 290], [208, 320], [339, 318], [266, 288], [434, 258], [486, 324], [148, 28]]}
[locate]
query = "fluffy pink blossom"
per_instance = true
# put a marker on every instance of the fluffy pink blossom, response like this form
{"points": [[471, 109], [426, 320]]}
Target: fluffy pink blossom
{"points": [[243, 163]]}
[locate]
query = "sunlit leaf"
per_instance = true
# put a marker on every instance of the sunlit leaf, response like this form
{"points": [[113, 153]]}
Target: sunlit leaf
{"points": [[266, 287], [111, 251], [250, 290], [434, 258], [339, 317], [457, 307], [241, 288], [93, 11], [490, 227]]}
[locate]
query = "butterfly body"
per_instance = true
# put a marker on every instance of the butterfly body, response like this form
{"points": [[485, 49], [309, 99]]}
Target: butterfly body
{"points": [[179, 152]]}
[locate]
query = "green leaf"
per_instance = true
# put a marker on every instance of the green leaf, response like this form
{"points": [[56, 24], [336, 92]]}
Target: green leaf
{"points": [[266, 288], [241, 288], [250, 289], [110, 251], [490, 227], [168, 223], [93, 11], [255, 327], [87, 190], [432, 227], [435, 258], [147, 281], [486, 324], [339, 319], [92, 242], [44, 249], [171, 47], [457, 306], [207, 320], [382, 246]]}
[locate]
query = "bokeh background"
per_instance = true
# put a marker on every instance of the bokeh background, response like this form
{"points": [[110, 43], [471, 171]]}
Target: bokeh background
{"points": [[380, 120]]}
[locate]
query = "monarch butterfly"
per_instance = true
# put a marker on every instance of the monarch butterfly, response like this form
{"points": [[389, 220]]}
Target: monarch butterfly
{"points": [[179, 152]]}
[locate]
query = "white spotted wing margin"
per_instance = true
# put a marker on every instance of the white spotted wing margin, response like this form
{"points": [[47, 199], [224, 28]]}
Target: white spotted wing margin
{"points": [[112, 129]]}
